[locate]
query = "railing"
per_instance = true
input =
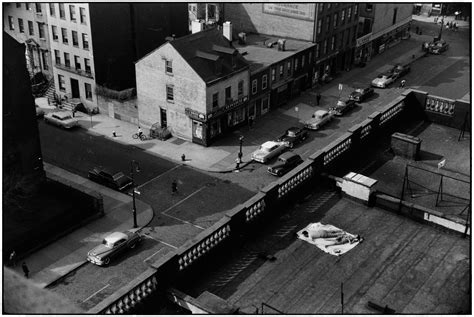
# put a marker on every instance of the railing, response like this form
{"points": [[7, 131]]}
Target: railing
{"points": [[440, 105], [84, 73], [245, 214]]}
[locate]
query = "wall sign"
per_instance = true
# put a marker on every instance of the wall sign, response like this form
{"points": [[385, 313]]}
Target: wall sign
{"points": [[302, 11]]}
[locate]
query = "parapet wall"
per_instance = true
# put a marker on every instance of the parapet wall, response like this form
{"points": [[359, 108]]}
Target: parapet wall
{"points": [[263, 203]]}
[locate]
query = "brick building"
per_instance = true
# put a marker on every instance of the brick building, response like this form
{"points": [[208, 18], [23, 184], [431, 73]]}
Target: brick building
{"points": [[381, 26], [196, 86], [331, 26]]}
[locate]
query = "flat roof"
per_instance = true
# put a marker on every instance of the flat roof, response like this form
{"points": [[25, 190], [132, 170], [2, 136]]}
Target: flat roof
{"points": [[260, 56]]}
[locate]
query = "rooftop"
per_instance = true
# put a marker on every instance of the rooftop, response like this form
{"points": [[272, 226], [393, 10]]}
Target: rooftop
{"points": [[259, 55]]}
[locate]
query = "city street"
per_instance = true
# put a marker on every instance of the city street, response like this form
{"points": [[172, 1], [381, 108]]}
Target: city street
{"points": [[203, 197]]}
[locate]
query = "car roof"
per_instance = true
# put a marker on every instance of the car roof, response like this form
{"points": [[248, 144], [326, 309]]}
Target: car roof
{"points": [[61, 114], [287, 155], [269, 144], [114, 237], [320, 112]]}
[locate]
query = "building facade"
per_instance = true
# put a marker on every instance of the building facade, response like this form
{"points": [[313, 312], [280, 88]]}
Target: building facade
{"points": [[26, 22], [196, 86], [381, 26], [209, 13]]}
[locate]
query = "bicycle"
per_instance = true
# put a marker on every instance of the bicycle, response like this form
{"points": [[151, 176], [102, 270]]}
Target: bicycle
{"points": [[142, 137]]}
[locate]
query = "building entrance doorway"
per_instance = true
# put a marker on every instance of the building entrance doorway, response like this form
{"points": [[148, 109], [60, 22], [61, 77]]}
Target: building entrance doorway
{"points": [[164, 121], [75, 88]]}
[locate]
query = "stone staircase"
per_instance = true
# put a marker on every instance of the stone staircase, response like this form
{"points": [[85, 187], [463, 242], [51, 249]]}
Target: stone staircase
{"points": [[51, 92]]}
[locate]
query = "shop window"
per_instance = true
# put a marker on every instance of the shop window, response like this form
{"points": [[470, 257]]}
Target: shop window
{"points": [[169, 93], [215, 100], [264, 82]]}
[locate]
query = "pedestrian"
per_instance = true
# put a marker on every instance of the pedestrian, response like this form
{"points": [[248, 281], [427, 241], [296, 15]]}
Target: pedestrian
{"points": [[402, 83], [13, 258], [73, 112], [26, 271], [114, 134], [318, 98], [237, 165], [183, 158], [174, 187]]}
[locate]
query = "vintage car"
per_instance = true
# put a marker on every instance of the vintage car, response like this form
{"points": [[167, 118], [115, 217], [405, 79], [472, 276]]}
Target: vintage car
{"points": [[318, 119], [383, 80], [286, 162], [360, 94], [342, 107], [293, 136], [438, 47], [112, 245], [114, 180], [400, 70], [63, 119], [268, 150]]}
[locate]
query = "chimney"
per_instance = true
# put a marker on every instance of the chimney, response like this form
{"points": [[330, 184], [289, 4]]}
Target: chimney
{"points": [[281, 44], [197, 26], [227, 30]]}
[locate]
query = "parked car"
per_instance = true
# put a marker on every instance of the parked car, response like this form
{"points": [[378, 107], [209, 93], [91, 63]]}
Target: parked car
{"points": [[383, 80], [318, 119], [293, 136], [112, 245], [114, 180], [342, 107], [286, 162], [360, 94], [62, 119], [400, 70], [268, 150], [438, 47]]}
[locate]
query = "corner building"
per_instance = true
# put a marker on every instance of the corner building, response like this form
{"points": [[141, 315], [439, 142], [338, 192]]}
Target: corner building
{"points": [[196, 86]]}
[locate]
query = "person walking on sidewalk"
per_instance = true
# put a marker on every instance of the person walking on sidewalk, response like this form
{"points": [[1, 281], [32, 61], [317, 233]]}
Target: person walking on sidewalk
{"points": [[13, 259], [318, 98], [26, 271]]}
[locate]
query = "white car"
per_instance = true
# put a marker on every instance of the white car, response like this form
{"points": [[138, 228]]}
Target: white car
{"points": [[383, 80], [268, 150], [319, 118], [62, 119]]}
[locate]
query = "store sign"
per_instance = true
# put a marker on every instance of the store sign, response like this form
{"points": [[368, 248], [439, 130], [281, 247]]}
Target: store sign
{"points": [[302, 11], [363, 40], [229, 106], [195, 114]]}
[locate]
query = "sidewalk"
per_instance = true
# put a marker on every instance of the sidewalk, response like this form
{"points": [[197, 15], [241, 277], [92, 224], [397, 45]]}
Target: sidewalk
{"points": [[69, 252], [424, 18]]}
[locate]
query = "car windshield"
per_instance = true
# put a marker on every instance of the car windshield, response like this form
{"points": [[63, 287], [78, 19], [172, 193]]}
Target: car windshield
{"points": [[291, 133], [359, 90], [107, 243], [118, 176]]}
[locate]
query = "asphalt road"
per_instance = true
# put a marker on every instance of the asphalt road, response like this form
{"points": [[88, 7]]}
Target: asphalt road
{"points": [[202, 198]]}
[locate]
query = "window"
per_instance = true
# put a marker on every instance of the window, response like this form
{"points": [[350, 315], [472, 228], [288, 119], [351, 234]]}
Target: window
{"points": [[18, 5], [302, 60], [169, 93], [319, 26], [328, 23], [62, 13], [38, 8], [281, 71], [394, 20], [321, 7], [82, 15], [28, 6], [44, 59], [88, 89], [343, 16], [168, 66], [52, 9], [10, 23], [349, 13], [264, 82], [21, 27], [265, 105], [228, 93], [54, 31], [41, 30], [317, 50], [57, 57], [254, 87], [325, 46], [288, 68], [77, 62], [333, 40], [369, 7], [329, 6], [215, 100], [62, 85], [67, 61], [75, 40], [273, 74], [72, 13], [64, 35], [356, 9], [296, 64], [240, 90], [310, 60], [85, 41], [335, 20], [31, 29], [87, 65]]}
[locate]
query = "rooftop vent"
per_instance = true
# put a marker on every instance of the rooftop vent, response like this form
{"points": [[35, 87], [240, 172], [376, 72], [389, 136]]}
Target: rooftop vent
{"points": [[242, 38], [281, 44]]}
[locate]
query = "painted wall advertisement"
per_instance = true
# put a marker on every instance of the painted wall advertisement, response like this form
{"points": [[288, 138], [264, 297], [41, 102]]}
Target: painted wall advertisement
{"points": [[302, 11]]}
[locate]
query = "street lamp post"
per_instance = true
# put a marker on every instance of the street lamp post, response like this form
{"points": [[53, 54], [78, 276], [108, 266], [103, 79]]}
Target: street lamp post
{"points": [[241, 139], [441, 29], [134, 166]]}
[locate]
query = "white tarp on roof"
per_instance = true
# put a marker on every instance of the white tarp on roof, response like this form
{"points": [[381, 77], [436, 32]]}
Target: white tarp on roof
{"points": [[329, 238]]}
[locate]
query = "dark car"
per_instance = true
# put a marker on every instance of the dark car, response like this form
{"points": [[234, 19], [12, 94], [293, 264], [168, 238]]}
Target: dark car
{"points": [[286, 162], [438, 47], [342, 107], [112, 245], [400, 70], [293, 136], [360, 94], [115, 180]]}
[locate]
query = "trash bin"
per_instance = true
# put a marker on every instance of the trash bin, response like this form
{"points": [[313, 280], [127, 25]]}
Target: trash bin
{"points": [[158, 132]]}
